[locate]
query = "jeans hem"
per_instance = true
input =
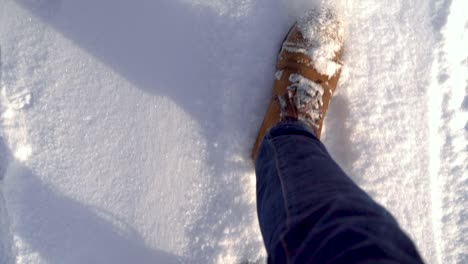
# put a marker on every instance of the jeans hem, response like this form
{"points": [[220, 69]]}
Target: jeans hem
{"points": [[284, 128]]}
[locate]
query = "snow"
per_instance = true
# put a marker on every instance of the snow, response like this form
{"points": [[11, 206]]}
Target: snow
{"points": [[278, 74], [323, 34], [306, 96], [126, 126]]}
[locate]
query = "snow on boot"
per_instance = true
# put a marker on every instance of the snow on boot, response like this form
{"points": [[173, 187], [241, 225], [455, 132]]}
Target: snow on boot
{"points": [[308, 69]]}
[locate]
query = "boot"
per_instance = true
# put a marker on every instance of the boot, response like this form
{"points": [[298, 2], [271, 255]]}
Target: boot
{"points": [[308, 68]]}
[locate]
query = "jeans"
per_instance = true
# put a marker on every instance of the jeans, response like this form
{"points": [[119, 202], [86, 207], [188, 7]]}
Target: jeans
{"points": [[310, 211]]}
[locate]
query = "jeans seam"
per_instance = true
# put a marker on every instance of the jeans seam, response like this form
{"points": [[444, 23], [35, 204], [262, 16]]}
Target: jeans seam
{"points": [[285, 201]]}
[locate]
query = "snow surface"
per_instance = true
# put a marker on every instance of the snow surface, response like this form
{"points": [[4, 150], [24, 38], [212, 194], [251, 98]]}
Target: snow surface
{"points": [[126, 126]]}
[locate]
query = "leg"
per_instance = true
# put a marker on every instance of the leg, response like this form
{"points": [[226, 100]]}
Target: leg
{"points": [[310, 211]]}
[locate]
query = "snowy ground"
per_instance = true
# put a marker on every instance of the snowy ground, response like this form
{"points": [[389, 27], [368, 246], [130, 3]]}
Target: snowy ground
{"points": [[126, 126]]}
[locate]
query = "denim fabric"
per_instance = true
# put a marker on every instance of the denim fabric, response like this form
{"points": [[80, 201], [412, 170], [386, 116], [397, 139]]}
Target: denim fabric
{"points": [[310, 211]]}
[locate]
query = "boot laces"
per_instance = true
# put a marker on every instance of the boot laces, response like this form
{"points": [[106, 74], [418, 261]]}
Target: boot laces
{"points": [[302, 101]]}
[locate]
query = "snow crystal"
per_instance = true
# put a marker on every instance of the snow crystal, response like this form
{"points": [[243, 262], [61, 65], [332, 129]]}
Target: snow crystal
{"points": [[278, 75], [21, 100]]}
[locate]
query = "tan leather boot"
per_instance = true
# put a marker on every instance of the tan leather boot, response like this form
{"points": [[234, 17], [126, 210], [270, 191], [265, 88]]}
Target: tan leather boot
{"points": [[308, 69]]}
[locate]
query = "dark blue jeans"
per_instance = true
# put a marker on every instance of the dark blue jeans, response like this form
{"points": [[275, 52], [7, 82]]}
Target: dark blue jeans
{"points": [[310, 211]]}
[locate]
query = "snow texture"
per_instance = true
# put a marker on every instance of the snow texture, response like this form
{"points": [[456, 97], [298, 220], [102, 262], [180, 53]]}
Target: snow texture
{"points": [[126, 126], [323, 34], [278, 74]]}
